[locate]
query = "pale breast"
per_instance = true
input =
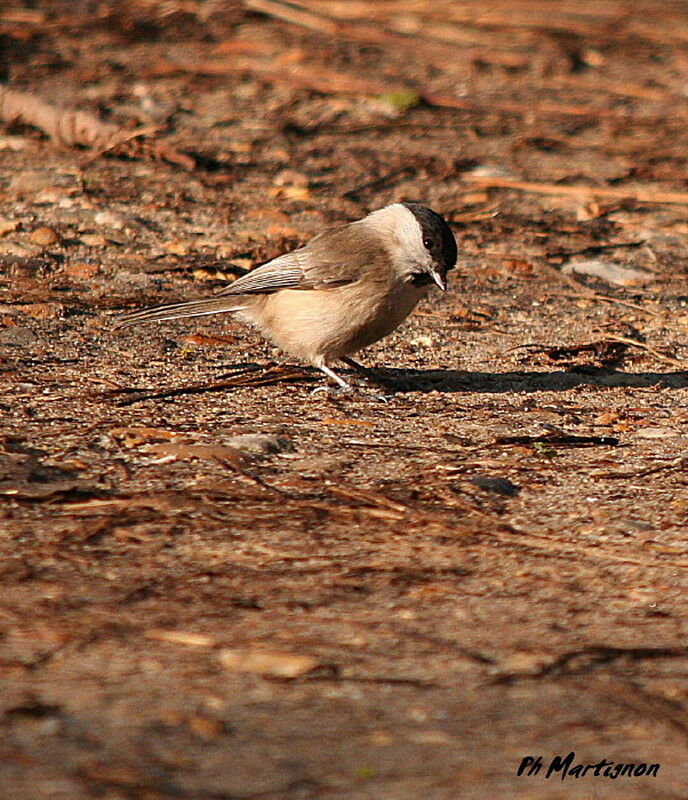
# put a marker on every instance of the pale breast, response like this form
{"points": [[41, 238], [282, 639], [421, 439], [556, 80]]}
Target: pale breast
{"points": [[323, 325]]}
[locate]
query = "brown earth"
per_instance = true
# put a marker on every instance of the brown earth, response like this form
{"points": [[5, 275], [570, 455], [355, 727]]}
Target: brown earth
{"points": [[490, 564]]}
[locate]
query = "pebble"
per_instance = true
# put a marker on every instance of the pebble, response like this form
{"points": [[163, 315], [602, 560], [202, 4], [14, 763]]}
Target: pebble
{"points": [[17, 336], [655, 433], [141, 279], [491, 171], [110, 219], [42, 310], [179, 247], [13, 143], [278, 665], [609, 272], [7, 226], [290, 192], [497, 485], [260, 444], [44, 237], [524, 663], [93, 239], [20, 250], [81, 269], [52, 196], [29, 182]]}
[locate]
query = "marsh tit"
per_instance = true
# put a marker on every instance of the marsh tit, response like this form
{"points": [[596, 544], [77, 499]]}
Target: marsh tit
{"points": [[345, 289]]}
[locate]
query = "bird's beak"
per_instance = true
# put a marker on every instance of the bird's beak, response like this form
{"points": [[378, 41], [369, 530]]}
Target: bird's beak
{"points": [[439, 279]]}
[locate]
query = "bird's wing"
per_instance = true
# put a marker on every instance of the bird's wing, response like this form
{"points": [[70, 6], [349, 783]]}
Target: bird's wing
{"points": [[284, 272], [334, 258]]}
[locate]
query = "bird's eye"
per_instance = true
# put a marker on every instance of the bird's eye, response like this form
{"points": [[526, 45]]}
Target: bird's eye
{"points": [[427, 242]]}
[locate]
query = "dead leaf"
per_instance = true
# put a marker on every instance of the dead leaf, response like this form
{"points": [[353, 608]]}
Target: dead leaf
{"points": [[42, 310], [290, 192], [203, 340], [135, 436], [205, 452], [71, 128], [81, 269]]}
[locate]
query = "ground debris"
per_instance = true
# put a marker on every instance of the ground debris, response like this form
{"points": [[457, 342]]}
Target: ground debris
{"points": [[383, 610], [71, 128], [601, 353], [269, 664], [609, 272]]}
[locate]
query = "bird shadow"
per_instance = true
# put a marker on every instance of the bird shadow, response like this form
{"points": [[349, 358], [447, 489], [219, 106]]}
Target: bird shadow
{"points": [[449, 381]]}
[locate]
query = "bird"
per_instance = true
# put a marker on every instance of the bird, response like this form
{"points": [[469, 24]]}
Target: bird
{"points": [[347, 288]]}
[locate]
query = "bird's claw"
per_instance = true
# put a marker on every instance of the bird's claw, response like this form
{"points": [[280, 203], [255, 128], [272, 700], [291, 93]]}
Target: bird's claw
{"points": [[333, 391]]}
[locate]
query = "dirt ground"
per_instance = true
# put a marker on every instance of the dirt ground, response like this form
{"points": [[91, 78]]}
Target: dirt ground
{"points": [[218, 584]]}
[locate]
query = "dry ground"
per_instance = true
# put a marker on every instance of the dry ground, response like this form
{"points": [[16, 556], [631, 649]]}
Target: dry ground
{"points": [[426, 627]]}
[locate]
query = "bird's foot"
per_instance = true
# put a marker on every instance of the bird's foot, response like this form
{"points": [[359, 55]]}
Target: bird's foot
{"points": [[333, 391]]}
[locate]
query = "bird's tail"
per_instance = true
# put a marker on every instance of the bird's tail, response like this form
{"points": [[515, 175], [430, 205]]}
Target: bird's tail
{"points": [[193, 308]]}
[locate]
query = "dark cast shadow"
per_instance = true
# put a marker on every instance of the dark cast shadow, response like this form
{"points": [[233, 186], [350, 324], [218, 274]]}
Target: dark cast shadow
{"points": [[447, 380]]}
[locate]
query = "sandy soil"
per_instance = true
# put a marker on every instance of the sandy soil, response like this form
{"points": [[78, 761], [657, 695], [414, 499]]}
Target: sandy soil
{"points": [[489, 565]]}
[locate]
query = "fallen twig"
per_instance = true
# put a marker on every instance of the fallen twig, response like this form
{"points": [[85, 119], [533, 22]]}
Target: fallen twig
{"points": [[73, 128], [583, 291], [267, 378], [642, 194], [659, 356], [603, 353], [675, 463]]}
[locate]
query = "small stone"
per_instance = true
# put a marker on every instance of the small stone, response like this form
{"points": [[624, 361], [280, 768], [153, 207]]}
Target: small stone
{"points": [[283, 231], [609, 272], [110, 220], [81, 269], [491, 171], [260, 444], [42, 310], [524, 662], [185, 638], [19, 337], [51, 196], [655, 432], [205, 727], [13, 143], [19, 250], [7, 226], [44, 237], [93, 239], [179, 247], [29, 182], [290, 192], [497, 485], [276, 665]]}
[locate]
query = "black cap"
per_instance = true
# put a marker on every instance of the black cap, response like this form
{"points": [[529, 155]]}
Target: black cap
{"points": [[437, 235]]}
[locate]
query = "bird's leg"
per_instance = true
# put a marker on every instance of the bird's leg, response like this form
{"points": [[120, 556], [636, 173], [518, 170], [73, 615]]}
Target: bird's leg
{"points": [[345, 387], [332, 374]]}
